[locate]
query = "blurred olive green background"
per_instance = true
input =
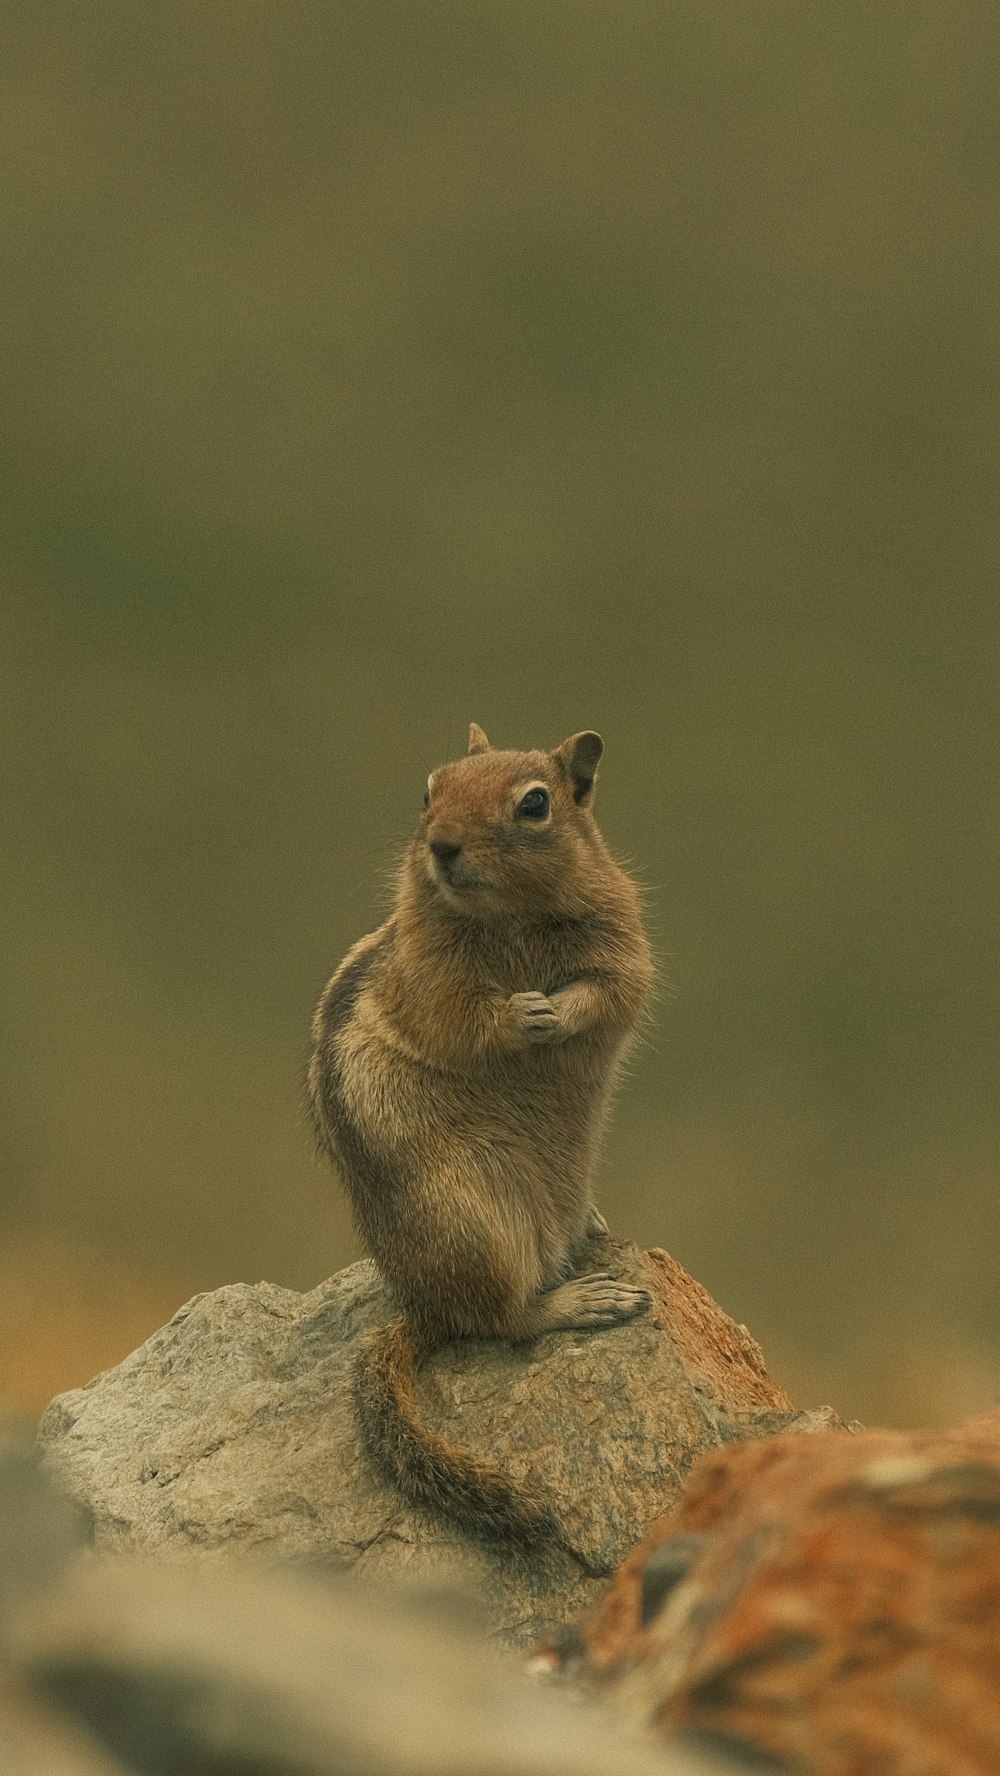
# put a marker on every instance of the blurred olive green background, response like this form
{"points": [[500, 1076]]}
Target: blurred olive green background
{"points": [[368, 369]]}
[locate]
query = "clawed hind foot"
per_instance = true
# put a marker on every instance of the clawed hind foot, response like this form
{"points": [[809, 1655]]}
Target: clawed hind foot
{"points": [[588, 1303]]}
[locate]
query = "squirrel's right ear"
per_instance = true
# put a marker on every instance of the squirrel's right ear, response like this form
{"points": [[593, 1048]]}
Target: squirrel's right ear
{"points": [[477, 739], [579, 757]]}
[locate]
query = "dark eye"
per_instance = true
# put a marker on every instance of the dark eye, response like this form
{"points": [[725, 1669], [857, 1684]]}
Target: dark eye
{"points": [[427, 798], [535, 805]]}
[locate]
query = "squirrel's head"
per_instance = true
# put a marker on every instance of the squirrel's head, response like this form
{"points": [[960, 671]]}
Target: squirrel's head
{"points": [[511, 832]]}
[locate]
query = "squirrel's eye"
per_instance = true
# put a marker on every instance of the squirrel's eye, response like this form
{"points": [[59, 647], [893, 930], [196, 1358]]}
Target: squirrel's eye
{"points": [[535, 805], [427, 798]]}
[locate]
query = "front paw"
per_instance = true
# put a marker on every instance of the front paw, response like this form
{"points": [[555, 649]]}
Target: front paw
{"points": [[533, 1017]]}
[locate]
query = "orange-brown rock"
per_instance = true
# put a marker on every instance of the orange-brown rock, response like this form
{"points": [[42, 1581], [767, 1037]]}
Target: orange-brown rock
{"points": [[830, 1602], [615, 1632]]}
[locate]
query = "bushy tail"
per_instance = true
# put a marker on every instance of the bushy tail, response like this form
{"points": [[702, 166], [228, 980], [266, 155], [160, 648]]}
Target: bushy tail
{"points": [[424, 1466]]}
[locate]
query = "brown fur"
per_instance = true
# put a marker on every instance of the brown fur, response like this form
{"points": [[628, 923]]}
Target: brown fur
{"points": [[463, 1056]]}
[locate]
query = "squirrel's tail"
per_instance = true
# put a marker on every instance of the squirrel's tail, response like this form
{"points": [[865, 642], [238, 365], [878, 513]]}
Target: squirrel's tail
{"points": [[424, 1466]]}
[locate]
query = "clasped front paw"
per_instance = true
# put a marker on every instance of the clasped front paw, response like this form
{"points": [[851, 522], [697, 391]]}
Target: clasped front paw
{"points": [[533, 1016]]}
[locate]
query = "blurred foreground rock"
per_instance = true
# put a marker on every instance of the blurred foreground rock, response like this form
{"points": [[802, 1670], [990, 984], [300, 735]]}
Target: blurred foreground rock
{"points": [[238, 1668], [830, 1602], [121, 1665], [232, 1430], [39, 1535], [39, 1528]]}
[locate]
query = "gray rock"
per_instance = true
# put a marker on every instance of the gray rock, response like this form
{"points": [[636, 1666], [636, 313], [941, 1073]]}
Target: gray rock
{"points": [[232, 1429]]}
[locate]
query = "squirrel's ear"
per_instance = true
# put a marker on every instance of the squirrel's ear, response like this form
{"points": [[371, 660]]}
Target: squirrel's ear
{"points": [[477, 739], [579, 757]]}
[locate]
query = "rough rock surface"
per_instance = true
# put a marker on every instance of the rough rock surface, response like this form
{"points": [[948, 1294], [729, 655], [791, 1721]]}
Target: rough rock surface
{"points": [[232, 1429], [829, 1602]]}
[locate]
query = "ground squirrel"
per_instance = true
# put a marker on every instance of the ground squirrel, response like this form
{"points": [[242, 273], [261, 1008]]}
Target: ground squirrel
{"points": [[462, 1061]]}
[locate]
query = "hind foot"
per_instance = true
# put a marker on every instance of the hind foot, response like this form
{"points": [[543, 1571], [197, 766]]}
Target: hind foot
{"points": [[588, 1303]]}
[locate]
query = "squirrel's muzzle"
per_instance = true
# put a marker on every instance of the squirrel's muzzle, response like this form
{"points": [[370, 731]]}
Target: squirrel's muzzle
{"points": [[450, 864], [445, 850]]}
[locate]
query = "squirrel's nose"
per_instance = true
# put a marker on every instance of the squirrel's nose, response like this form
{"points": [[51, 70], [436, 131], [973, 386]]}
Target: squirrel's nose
{"points": [[445, 849]]}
